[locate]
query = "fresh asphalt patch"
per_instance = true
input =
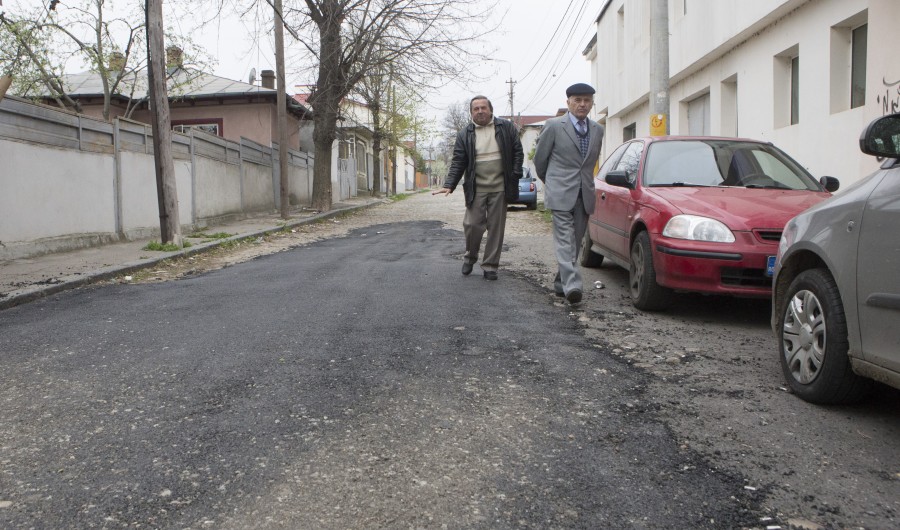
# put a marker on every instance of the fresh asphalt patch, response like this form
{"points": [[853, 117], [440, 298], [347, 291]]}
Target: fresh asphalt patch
{"points": [[353, 382]]}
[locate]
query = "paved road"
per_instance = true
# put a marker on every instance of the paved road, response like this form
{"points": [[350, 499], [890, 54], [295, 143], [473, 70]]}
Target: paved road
{"points": [[355, 382]]}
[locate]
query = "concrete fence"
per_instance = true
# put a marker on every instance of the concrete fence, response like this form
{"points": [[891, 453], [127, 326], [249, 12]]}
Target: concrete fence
{"points": [[69, 181]]}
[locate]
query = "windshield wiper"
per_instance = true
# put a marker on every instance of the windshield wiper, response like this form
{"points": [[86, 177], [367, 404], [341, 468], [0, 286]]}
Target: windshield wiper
{"points": [[678, 185], [768, 186]]}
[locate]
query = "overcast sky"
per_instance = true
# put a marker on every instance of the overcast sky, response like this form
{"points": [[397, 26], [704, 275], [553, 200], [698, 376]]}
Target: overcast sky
{"points": [[538, 46]]}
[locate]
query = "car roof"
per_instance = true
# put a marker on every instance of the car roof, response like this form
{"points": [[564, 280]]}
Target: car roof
{"points": [[673, 137]]}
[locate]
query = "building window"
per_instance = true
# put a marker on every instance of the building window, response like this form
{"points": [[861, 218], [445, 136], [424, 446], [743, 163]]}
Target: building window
{"points": [[795, 90], [729, 105], [698, 116], [620, 38], [629, 132], [361, 159], [211, 126], [785, 76], [858, 54], [847, 63]]}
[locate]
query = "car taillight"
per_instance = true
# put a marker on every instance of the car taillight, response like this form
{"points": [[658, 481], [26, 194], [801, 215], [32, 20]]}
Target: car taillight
{"points": [[531, 188]]}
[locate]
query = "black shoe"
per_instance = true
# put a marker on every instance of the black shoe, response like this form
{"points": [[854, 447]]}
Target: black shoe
{"points": [[557, 286], [574, 296], [490, 275], [467, 268]]}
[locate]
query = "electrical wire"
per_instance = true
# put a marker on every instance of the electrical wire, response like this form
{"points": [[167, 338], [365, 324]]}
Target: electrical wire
{"points": [[549, 42], [552, 71]]}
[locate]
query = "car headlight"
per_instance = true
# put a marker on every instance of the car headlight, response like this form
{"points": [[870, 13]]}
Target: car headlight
{"points": [[696, 228]]}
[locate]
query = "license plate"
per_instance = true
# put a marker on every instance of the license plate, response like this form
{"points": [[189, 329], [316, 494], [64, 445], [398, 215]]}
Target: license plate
{"points": [[770, 266]]}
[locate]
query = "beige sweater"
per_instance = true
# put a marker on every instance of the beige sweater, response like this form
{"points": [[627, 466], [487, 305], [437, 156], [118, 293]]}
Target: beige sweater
{"points": [[488, 164]]}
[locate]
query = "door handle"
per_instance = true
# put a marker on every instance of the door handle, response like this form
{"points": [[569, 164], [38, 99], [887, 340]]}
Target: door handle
{"points": [[603, 196]]}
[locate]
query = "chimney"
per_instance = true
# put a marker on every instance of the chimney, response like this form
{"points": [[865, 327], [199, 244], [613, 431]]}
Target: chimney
{"points": [[174, 57], [116, 62], [268, 78]]}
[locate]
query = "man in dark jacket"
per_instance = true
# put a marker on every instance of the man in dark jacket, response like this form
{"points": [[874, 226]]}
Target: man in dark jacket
{"points": [[488, 156]]}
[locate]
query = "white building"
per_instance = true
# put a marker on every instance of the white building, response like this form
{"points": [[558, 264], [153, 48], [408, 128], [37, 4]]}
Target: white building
{"points": [[806, 75]]}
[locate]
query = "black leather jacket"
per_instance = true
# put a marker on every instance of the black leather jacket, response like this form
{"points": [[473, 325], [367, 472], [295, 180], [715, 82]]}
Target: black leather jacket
{"points": [[463, 164]]}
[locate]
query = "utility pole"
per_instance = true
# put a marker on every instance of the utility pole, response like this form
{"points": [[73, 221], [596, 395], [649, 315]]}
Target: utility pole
{"points": [[512, 109], [281, 102], [166, 190], [394, 140], [659, 67]]}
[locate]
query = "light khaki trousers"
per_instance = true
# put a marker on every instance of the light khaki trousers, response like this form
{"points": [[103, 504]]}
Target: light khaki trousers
{"points": [[488, 212]]}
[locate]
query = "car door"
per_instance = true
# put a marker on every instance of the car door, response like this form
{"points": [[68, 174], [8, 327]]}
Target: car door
{"points": [[618, 204], [878, 283], [598, 225]]}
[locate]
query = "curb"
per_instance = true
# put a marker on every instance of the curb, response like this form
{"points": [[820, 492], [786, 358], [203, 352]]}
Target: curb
{"points": [[118, 270]]}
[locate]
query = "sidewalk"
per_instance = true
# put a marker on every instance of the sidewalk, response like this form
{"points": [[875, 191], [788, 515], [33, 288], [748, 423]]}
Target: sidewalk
{"points": [[26, 279]]}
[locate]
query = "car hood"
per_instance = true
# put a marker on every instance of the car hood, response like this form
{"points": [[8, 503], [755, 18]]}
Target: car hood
{"points": [[741, 208]]}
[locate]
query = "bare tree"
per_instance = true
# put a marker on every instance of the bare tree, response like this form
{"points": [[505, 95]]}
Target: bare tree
{"points": [[423, 41], [457, 116], [39, 45]]}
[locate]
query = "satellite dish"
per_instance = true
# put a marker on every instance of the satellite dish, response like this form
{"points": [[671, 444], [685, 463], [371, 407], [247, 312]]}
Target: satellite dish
{"points": [[252, 79]]}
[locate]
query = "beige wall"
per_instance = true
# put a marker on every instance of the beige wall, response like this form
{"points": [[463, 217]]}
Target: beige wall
{"points": [[254, 121]]}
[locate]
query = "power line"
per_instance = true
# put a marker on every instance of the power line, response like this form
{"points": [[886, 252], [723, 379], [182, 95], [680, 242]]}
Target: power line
{"points": [[552, 71], [549, 42]]}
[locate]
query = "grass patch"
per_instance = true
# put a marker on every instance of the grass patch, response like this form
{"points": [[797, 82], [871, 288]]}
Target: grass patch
{"points": [[400, 197], [167, 247], [204, 235], [545, 214]]}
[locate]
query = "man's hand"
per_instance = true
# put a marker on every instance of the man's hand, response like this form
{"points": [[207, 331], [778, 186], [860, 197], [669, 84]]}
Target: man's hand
{"points": [[442, 191]]}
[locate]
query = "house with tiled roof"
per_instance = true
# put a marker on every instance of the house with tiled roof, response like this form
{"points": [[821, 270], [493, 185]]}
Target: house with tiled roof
{"points": [[197, 100]]}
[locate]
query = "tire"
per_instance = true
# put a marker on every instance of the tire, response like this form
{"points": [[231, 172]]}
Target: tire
{"points": [[531, 206], [812, 339], [587, 257], [646, 294]]}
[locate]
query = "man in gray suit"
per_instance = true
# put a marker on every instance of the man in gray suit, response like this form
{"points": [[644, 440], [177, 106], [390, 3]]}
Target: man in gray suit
{"points": [[567, 150]]}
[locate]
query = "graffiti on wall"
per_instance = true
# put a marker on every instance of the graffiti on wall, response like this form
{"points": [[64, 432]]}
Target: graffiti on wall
{"points": [[890, 100]]}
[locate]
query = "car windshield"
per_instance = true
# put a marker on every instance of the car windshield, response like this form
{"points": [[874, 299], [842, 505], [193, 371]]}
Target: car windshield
{"points": [[723, 163]]}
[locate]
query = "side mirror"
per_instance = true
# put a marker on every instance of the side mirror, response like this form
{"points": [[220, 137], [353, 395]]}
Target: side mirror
{"points": [[882, 137], [830, 184], [620, 179]]}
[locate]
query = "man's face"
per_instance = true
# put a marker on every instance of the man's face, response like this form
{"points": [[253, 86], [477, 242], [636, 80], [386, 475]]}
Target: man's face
{"points": [[580, 105], [481, 112]]}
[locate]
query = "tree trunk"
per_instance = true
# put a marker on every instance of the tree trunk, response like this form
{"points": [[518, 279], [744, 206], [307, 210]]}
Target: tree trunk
{"points": [[325, 100], [5, 81], [323, 139], [376, 150]]}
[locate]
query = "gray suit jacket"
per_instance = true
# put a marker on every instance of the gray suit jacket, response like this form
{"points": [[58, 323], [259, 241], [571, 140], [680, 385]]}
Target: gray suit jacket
{"points": [[560, 166]]}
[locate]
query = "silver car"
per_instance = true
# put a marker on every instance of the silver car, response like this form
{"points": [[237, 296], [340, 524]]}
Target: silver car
{"points": [[836, 293]]}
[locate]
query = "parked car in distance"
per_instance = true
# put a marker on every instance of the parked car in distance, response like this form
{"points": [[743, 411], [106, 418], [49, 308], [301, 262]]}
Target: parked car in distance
{"points": [[836, 297], [698, 214], [528, 188]]}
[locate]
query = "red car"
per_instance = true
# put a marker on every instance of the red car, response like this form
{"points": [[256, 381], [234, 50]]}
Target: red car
{"points": [[700, 214]]}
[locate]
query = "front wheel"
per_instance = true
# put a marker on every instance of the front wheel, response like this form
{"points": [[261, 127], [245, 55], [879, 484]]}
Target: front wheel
{"points": [[812, 338], [646, 294], [588, 258]]}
